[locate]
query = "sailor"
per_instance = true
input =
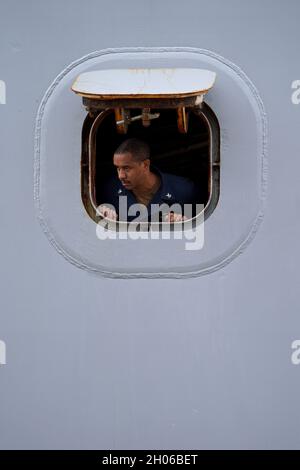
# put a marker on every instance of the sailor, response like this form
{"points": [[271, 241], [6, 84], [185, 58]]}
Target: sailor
{"points": [[150, 193]]}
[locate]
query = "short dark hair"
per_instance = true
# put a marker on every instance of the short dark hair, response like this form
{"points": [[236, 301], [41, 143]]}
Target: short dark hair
{"points": [[139, 149]]}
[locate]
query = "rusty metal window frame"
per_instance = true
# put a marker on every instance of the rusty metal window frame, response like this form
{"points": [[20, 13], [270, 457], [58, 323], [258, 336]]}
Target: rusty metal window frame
{"points": [[88, 163]]}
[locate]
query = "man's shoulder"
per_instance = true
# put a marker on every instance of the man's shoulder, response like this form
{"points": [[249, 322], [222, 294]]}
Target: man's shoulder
{"points": [[177, 179], [110, 189], [180, 185], [111, 183]]}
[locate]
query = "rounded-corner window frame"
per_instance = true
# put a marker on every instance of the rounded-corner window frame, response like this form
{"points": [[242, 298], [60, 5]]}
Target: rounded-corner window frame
{"points": [[91, 124]]}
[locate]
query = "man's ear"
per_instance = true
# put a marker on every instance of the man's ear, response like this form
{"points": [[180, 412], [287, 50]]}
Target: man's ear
{"points": [[146, 163]]}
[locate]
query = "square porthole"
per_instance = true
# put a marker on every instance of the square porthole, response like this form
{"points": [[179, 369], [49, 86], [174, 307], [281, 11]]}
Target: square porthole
{"points": [[169, 116], [189, 121]]}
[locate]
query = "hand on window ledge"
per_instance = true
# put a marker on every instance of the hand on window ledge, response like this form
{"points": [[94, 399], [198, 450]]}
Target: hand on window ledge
{"points": [[173, 217], [107, 213]]}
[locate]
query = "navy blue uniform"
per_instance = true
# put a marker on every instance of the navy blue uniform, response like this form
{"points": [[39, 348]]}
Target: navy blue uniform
{"points": [[173, 190]]}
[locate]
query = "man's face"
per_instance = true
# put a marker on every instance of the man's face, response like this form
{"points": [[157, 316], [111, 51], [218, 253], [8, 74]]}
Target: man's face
{"points": [[130, 172]]}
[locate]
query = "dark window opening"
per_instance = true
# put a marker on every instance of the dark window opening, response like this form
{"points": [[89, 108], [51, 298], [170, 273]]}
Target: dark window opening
{"points": [[195, 155]]}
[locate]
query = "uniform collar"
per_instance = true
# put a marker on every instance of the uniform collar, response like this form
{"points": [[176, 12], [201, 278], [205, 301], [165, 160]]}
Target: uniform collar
{"points": [[163, 193]]}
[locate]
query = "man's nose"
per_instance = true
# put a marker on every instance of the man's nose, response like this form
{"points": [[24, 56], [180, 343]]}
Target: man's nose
{"points": [[122, 174]]}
